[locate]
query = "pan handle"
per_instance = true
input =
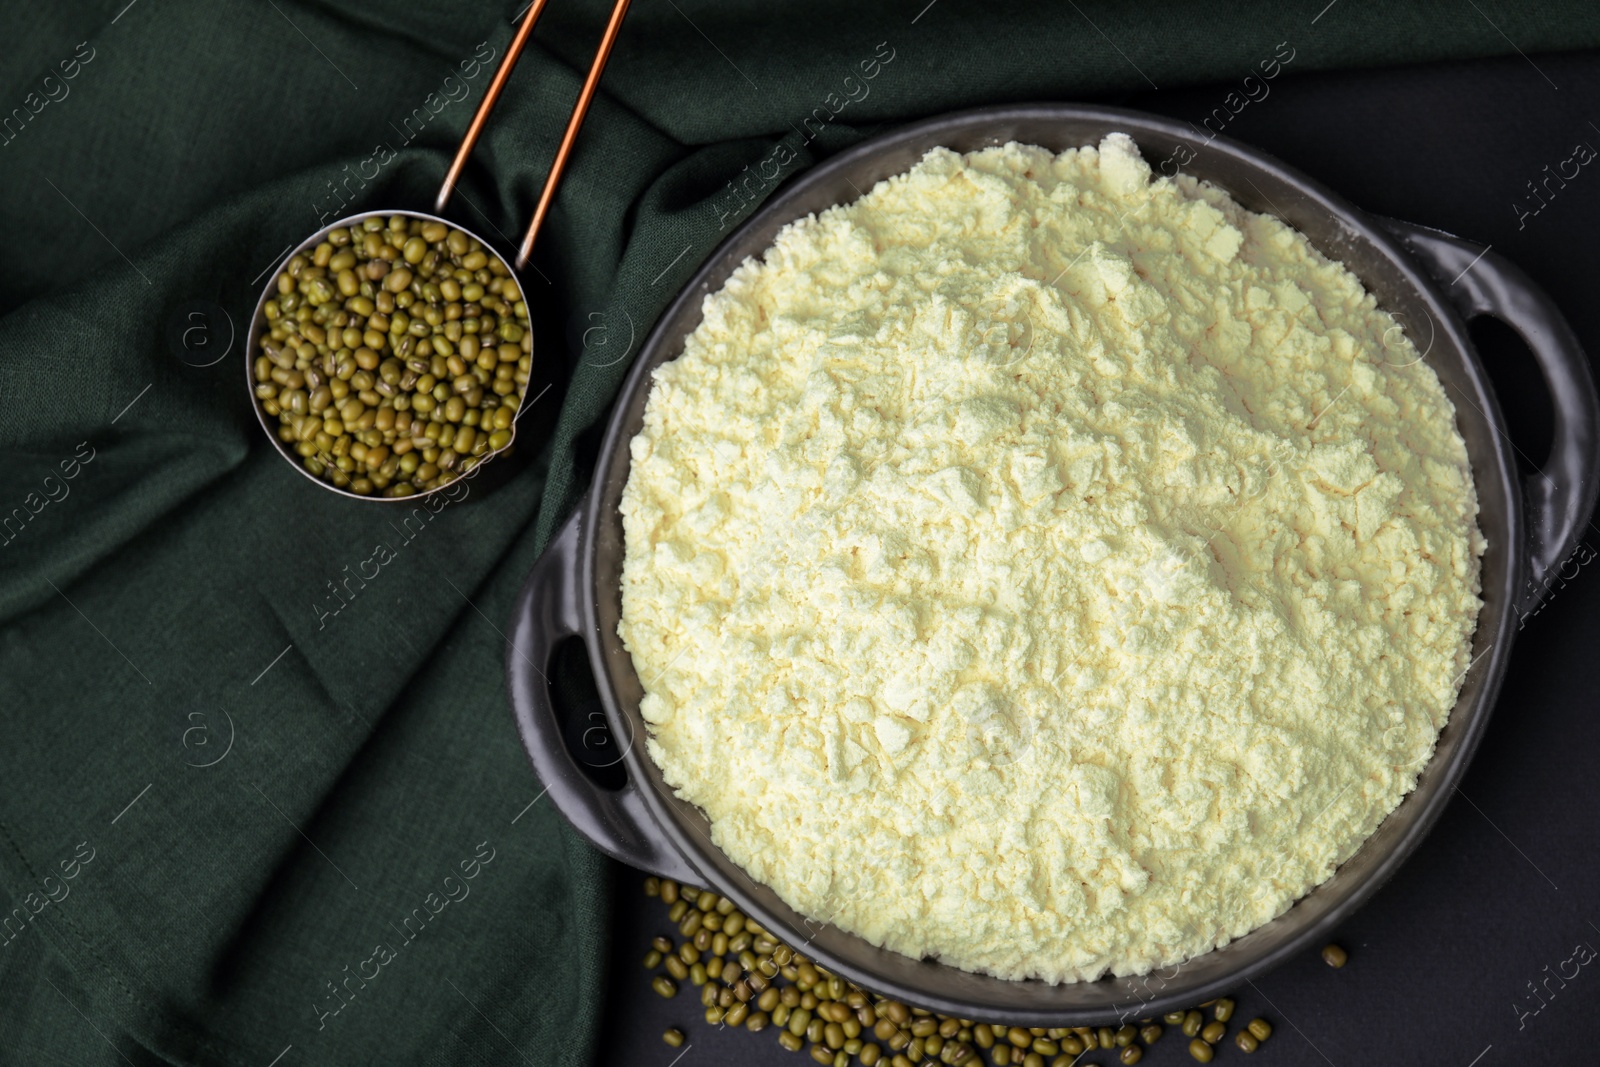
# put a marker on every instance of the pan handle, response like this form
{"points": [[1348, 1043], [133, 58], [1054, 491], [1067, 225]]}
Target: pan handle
{"points": [[1560, 497], [549, 610]]}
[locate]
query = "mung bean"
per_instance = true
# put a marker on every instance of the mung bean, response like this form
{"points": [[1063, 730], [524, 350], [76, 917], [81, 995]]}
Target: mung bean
{"points": [[368, 315]]}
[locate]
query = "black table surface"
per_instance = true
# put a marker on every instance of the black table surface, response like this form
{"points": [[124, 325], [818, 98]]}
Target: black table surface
{"points": [[1503, 899]]}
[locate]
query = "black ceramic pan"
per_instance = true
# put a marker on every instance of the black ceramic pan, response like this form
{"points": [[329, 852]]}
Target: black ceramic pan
{"points": [[1430, 281]]}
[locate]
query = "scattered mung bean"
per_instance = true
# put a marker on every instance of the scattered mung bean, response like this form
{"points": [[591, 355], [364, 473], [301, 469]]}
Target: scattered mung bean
{"points": [[843, 1024]]}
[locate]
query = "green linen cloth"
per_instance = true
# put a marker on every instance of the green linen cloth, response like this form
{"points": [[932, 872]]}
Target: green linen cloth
{"points": [[246, 818]]}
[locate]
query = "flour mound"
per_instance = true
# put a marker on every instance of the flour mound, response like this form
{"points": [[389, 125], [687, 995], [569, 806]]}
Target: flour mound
{"points": [[1046, 568]]}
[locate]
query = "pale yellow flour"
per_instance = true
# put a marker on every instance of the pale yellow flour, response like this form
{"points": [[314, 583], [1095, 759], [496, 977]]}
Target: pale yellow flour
{"points": [[1045, 568]]}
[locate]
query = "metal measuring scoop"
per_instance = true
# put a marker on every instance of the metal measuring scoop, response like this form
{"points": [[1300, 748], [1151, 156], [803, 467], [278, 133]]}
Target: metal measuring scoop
{"points": [[291, 367]]}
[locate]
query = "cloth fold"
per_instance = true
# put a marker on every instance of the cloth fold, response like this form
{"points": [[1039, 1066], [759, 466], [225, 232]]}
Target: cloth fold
{"points": [[261, 798]]}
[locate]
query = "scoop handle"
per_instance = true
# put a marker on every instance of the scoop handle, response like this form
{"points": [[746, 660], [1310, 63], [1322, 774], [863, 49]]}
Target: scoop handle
{"points": [[1560, 496], [549, 610], [585, 96]]}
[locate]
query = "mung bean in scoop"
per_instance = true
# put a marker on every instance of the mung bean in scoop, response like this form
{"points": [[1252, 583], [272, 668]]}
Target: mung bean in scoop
{"points": [[395, 355]]}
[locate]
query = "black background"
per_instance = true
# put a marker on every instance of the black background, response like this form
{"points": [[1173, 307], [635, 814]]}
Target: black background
{"points": [[1508, 882]]}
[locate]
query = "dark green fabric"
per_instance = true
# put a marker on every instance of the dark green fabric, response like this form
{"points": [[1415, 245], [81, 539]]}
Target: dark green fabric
{"points": [[163, 556]]}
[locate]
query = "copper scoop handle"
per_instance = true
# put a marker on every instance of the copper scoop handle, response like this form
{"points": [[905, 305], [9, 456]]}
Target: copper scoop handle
{"points": [[579, 111]]}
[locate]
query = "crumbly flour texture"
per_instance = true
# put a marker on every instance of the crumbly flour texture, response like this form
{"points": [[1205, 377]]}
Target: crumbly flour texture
{"points": [[1045, 568]]}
